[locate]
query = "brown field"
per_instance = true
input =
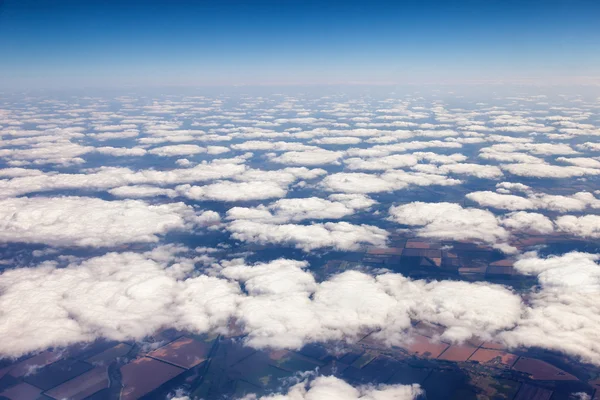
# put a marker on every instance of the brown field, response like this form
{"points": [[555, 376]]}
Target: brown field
{"points": [[449, 254], [385, 251], [486, 356], [183, 352], [530, 241], [492, 345], [437, 261], [503, 263], [458, 353], [422, 253], [468, 246], [26, 366], [541, 370], [473, 269], [422, 346], [419, 244], [108, 355], [278, 354], [529, 392], [22, 391], [145, 374], [82, 386]]}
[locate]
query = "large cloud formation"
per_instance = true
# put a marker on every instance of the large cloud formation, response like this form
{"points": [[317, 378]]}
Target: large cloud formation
{"points": [[119, 296], [535, 201], [357, 182], [340, 235], [279, 304], [452, 222], [564, 314], [111, 177], [405, 148], [84, 221], [130, 295], [299, 209]]}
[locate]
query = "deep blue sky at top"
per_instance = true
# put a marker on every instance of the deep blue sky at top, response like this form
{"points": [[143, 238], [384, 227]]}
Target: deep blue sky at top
{"points": [[55, 43]]}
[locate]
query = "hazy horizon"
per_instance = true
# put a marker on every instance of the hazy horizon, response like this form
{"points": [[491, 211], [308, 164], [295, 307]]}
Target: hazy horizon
{"points": [[92, 43]]}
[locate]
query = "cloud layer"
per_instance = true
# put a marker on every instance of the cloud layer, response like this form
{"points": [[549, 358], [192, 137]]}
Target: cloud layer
{"points": [[130, 295], [81, 221], [317, 173]]}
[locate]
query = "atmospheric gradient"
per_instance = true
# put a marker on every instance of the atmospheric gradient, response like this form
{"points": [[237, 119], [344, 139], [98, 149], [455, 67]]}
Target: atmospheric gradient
{"points": [[299, 200]]}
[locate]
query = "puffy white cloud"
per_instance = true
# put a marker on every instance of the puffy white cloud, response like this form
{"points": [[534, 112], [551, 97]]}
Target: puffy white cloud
{"points": [[273, 146], [129, 296], [382, 163], [111, 177], [522, 221], [178, 150], [83, 221], [217, 149], [356, 182], [129, 133], [564, 315], [339, 235], [285, 176], [385, 149], [121, 151], [355, 201], [576, 202], [451, 221], [437, 134], [298, 209], [543, 170], [534, 201], [277, 277], [117, 296], [589, 146], [140, 191], [332, 388], [287, 308], [359, 183], [435, 158], [507, 187], [233, 191], [477, 170], [184, 162], [545, 149], [113, 128], [325, 132], [341, 140], [308, 157], [587, 226], [19, 172], [61, 152], [124, 182], [502, 201], [496, 307], [580, 161], [510, 157]]}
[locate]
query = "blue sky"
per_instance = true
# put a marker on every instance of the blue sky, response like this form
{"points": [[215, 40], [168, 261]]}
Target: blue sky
{"points": [[64, 43]]}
